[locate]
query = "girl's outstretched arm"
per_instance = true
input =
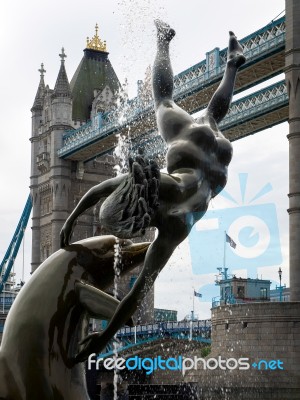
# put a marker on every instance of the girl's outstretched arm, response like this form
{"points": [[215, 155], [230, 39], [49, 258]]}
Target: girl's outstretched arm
{"points": [[89, 200]]}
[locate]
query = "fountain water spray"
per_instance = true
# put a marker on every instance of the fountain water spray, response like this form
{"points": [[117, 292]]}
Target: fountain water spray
{"points": [[117, 260]]}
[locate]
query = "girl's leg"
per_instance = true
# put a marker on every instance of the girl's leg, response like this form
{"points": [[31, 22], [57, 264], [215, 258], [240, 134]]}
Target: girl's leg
{"points": [[170, 118], [162, 78], [221, 100]]}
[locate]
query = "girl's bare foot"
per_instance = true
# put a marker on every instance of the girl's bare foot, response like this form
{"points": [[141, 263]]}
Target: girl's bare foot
{"points": [[164, 31], [235, 56]]}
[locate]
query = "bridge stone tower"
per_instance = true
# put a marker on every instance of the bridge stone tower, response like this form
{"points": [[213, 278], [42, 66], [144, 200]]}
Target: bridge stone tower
{"points": [[292, 73], [56, 184]]}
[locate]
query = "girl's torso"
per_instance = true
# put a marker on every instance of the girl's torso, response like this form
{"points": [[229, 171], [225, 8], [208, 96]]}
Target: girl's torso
{"points": [[200, 148]]}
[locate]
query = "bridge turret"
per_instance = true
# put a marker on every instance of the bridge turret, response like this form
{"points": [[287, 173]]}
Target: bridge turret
{"points": [[37, 123], [51, 116], [61, 99], [57, 184], [94, 81], [38, 104]]}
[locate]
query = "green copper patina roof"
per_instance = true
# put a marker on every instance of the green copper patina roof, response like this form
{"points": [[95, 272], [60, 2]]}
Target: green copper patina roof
{"points": [[94, 72]]}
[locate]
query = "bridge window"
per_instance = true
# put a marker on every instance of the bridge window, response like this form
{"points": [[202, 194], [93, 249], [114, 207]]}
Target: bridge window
{"points": [[240, 292], [47, 114], [45, 251], [46, 204], [263, 293]]}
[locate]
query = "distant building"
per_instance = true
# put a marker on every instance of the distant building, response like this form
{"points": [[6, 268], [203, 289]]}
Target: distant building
{"points": [[191, 317], [7, 297], [8, 294], [242, 290], [275, 294], [162, 315]]}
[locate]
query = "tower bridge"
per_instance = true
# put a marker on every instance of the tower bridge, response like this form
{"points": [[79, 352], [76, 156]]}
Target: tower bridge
{"points": [[246, 116], [264, 51], [62, 139]]}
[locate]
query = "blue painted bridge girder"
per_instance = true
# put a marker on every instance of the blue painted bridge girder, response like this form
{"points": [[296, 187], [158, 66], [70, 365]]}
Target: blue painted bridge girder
{"points": [[264, 50], [143, 337], [13, 248], [246, 116]]}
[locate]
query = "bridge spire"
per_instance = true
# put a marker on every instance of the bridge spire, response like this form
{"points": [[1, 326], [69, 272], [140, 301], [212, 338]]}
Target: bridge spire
{"points": [[40, 94], [62, 55], [42, 70], [62, 86]]}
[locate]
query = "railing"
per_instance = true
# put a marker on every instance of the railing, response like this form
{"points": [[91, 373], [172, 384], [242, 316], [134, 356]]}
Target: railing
{"points": [[165, 327], [216, 302], [231, 299], [257, 103], [256, 46]]}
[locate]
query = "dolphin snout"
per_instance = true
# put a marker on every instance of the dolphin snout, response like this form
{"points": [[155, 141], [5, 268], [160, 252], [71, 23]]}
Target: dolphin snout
{"points": [[134, 248]]}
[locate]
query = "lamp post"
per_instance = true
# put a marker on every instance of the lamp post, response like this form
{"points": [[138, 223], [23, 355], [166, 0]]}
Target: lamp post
{"points": [[280, 287]]}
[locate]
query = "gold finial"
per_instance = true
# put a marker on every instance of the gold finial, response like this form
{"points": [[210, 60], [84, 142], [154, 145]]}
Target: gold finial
{"points": [[96, 43]]}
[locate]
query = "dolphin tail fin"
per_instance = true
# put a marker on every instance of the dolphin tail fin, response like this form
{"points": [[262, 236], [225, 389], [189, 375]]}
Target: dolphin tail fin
{"points": [[96, 302]]}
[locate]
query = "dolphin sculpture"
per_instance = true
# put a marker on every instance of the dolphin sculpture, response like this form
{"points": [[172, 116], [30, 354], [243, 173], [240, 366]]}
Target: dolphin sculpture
{"points": [[50, 317]]}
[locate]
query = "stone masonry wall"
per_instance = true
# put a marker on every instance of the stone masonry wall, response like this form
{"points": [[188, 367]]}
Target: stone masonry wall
{"points": [[257, 331]]}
